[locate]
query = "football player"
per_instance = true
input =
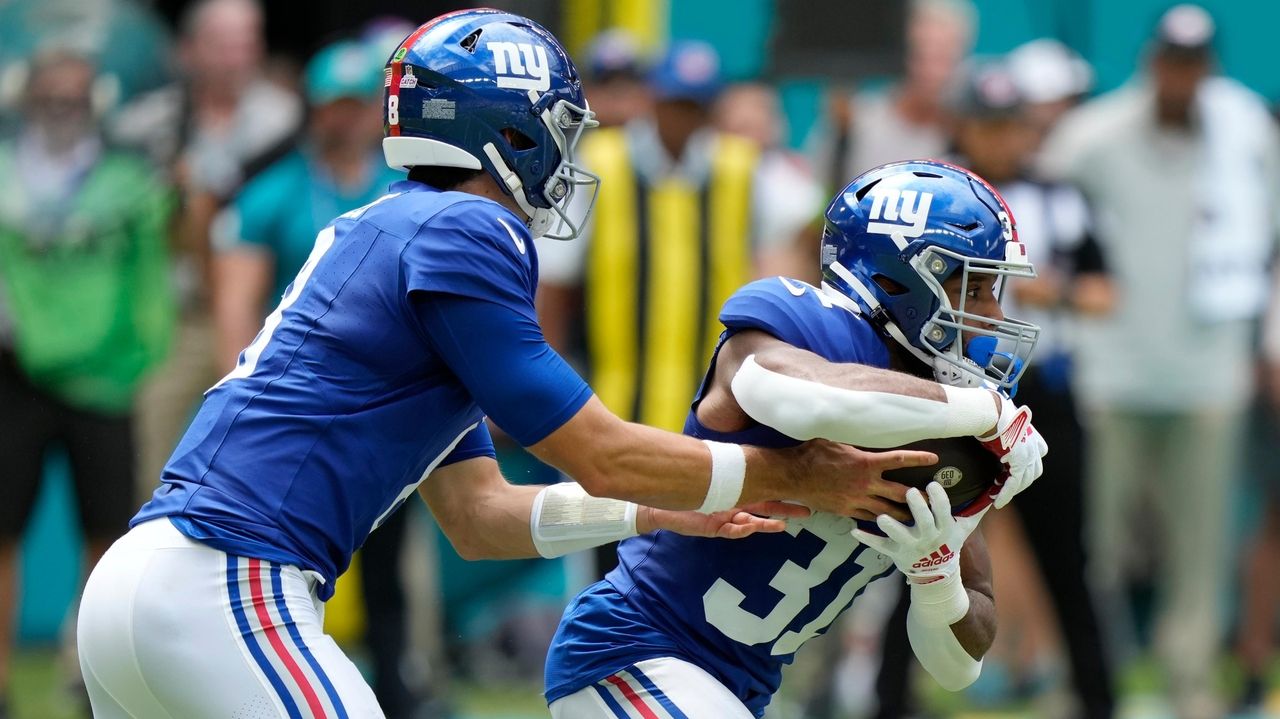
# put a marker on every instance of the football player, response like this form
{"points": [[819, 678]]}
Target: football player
{"points": [[913, 255], [411, 320]]}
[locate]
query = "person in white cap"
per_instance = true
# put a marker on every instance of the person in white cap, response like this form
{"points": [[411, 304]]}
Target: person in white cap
{"points": [[1051, 78], [1183, 168]]}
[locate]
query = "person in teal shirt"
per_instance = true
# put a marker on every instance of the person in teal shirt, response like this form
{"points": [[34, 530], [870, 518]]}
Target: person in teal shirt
{"points": [[266, 233], [264, 237]]}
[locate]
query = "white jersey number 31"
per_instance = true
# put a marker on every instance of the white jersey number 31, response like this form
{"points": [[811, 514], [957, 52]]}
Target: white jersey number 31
{"points": [[722, 603]]}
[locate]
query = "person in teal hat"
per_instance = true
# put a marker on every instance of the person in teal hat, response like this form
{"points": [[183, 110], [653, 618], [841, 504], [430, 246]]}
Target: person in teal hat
{"points": [[261, 241]]}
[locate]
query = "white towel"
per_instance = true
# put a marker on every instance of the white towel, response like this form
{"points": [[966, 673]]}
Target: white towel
{"points": [[1235, 227]]}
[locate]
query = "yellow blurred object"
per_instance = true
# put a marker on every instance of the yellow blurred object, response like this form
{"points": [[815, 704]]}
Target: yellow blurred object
{"points": [[647, 20], [344, 614]]}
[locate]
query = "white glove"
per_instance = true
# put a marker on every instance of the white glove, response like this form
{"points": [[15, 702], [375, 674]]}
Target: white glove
{"points": [[928, 553], [1021, 453], [1019, 446]]}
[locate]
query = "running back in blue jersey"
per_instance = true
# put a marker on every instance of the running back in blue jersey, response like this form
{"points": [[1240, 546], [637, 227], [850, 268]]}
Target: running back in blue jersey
{"points": [[741, 608], [342, 405]]}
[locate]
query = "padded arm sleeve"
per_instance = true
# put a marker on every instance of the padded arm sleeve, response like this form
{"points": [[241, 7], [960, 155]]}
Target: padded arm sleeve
{"points": [[941, 655], [500, 356], [804, 410]]}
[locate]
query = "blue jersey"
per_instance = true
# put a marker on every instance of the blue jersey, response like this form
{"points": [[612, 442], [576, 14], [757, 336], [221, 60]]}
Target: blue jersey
{"points": [[359, 384], [737, 608]]}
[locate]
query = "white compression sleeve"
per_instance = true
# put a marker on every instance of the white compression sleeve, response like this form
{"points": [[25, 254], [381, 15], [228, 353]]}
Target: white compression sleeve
{"points": [[940, 653], [803, 409], [566, 519]]}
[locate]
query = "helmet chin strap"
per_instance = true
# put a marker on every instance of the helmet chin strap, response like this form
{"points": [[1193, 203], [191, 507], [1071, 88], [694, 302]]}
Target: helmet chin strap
{"points": [[539, 220]]}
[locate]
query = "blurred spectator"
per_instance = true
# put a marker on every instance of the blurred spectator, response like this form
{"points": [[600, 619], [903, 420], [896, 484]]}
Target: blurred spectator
{"points": [[615, 79], [752, 110], [675, 231], [1182, 169], [265, 235], [85, 311], [221, 114], [995, 137], [204, 130], [1260, 573], [128, 43], [1052, 79], [908, 120], [263, 239]]}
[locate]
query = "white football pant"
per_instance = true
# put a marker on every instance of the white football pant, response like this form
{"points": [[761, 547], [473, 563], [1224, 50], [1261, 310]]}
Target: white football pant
{"points": [[173, 629], [665, 688]]}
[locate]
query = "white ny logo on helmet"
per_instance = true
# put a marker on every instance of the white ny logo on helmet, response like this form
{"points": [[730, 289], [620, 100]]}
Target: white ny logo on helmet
{"points": [[521, 65], [906, 212]]}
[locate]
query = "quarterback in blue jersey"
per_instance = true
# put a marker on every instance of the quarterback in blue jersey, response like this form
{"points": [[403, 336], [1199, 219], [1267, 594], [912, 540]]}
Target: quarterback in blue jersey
{"points": [[699, 628], [410, 322]]}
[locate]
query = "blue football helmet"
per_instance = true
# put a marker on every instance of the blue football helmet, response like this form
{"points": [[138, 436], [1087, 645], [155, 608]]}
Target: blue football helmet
{"points": [[897, 232], [485, 89]]}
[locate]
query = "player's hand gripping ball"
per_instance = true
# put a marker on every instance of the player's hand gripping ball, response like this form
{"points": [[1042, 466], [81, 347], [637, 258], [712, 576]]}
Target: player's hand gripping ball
{"points": [[966, 469]]}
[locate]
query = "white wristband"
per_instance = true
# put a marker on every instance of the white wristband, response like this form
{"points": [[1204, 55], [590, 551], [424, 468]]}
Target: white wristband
{"points": [[941, 603], [728, 472]]}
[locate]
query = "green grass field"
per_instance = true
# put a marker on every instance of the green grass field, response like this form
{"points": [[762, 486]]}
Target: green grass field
{"points": [[38, 692]]}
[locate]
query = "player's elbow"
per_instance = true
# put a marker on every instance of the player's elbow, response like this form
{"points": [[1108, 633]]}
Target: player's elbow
{"points": [[465, 540], [469, 550], [465, 530], [597, 481], [957, 678]]}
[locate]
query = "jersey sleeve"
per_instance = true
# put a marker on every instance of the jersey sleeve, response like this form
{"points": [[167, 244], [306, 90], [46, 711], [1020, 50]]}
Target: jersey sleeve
{"points": [[477, 443], [473, 249], [500, 357], [800, 315]]}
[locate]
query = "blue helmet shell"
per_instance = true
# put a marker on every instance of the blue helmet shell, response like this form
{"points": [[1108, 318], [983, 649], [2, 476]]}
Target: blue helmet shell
{"points": [[484, 88], [915, 224]]}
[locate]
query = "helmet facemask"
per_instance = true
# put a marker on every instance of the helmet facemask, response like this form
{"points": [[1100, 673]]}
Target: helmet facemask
{"points": [[565, 122], [993, 349]]}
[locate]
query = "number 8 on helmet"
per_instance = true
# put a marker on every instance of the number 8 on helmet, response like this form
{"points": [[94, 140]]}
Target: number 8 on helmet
{"points": [[522, 101]]}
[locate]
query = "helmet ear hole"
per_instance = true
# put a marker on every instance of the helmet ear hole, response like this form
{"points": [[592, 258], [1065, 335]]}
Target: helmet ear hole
{"points": [[890, 285], [518, 140]]}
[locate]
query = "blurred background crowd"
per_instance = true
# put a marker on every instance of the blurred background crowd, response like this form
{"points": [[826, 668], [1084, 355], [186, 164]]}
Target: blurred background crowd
{"points": [[166, 165]]}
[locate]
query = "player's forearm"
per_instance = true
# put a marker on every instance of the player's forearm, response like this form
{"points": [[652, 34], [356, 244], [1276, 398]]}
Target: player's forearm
{"points": [[649, 466], [613, 458], [953, 654], [669, 471], [855, 404], [491, 523], [977, 630], [951, 649], [942, 653], [629, 461]]}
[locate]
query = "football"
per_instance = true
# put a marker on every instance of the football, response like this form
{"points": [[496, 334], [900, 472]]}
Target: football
{"points": [[965, 468]]}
